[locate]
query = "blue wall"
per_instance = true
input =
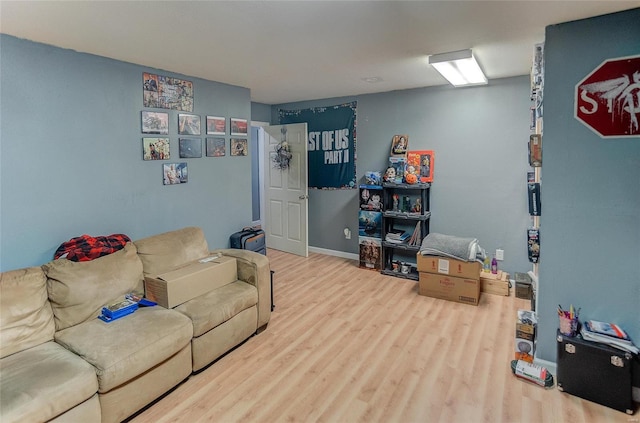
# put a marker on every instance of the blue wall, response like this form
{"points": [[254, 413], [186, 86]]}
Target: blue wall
{"points": [[71, 156], [479, 135], [260, 112], [590, 224]]}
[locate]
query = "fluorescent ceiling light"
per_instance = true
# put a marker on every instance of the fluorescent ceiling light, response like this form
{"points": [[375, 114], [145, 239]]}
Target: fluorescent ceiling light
{"points": [[459, 68]]}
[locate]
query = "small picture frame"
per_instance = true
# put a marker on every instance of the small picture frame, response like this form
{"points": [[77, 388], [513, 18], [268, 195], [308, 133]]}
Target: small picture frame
{"points": [[535, 150], [174, 173], [155, 123], [216, 147], [399, 146], [190, 148], [216, 125], [239, 127], [155, 149], [150, 92], [533, 118], [188, 124], [238, 147]]}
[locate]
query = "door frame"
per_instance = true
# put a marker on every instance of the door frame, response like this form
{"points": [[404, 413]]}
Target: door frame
{"points": [[260, 170], [289, 192]]}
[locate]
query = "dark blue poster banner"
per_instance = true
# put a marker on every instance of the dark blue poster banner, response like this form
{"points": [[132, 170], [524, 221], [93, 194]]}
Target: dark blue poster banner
{"points": [[332, 144]]}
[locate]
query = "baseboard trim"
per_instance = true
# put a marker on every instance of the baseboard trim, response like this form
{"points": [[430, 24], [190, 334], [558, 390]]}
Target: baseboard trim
{"points": [[335, 253]]}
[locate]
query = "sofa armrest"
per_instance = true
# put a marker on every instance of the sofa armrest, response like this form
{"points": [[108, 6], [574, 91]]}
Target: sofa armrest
{"points": [[254, 269]]}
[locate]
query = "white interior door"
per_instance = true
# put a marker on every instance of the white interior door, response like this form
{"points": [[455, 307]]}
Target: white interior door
{"points": [[286, 191]]}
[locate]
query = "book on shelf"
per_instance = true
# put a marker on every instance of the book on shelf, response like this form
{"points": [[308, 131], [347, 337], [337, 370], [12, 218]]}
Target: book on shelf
{"points": [[416, 237], [397, 237]]}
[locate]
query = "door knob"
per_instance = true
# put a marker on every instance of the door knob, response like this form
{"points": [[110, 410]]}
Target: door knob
{"points": [[303, 197]]}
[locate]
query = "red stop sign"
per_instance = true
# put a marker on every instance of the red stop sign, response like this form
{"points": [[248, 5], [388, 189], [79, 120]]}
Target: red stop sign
{"points": [[607, 100]]}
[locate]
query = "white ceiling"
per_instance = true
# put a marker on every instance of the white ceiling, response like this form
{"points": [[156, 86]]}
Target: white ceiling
{"points": [[287, 51]]}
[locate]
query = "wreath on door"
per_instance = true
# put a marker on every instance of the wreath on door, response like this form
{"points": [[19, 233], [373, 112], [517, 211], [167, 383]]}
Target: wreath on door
{"points": [[282, 159]]}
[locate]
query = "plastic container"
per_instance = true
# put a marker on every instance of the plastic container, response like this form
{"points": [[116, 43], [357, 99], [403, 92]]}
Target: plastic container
{"points": [[568, 326], [120, 309]]}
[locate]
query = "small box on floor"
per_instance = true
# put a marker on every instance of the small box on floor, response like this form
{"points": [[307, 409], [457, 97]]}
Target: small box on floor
{"points": [[448, 266], [525, 342], [461, 290], [179, 285]]}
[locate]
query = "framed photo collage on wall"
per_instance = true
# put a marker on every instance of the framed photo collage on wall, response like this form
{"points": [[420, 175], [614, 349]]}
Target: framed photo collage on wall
{"points": [[162, 92]]}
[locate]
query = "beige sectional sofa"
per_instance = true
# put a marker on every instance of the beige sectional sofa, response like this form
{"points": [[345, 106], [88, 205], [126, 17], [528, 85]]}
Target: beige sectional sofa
{"points": [[58, 362]]}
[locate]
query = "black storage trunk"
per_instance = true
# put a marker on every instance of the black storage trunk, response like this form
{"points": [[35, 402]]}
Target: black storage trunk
{"points": [[595, 372], [249, 239]]}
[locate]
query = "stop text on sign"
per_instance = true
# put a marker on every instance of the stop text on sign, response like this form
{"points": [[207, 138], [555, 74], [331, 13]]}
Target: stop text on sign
{"points": [[607, 100]]}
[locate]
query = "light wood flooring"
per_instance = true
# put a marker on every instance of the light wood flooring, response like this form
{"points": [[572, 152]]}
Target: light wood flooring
{"points": [[351, 345]]}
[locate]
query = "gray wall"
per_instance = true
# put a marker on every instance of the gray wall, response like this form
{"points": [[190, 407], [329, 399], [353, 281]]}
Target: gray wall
{"points": [[260, 112], [71, 156], [590, 223], [479, 136]]}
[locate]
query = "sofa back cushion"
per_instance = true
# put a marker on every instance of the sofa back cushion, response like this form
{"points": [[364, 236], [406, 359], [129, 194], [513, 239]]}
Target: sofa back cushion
{"points": [[163, 252], [26, 319], [79, 290]]}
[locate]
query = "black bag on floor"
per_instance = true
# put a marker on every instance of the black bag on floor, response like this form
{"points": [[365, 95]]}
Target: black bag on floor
{"points": [[252, 239]]}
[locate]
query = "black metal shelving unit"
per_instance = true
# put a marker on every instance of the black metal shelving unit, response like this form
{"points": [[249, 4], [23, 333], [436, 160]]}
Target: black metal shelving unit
{"points": [[403, 217]]}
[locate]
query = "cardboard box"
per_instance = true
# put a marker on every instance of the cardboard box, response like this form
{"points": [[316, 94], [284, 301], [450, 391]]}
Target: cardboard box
{"points": [[525, 343], [496, 284], [448, 266], [461, 290], [180, 285]]}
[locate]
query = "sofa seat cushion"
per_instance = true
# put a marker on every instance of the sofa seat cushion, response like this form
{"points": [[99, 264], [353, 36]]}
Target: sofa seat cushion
{"points": [[127, 347], [216, 307], [42, 382]]}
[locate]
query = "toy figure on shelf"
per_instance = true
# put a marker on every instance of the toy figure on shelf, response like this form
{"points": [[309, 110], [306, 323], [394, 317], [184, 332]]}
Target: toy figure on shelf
{"points": [[406, 204], [373, 178], [390, 175], [411, 178], [399, 145], [396, 200], [365, 195], [417, 207], [374, 202]]}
